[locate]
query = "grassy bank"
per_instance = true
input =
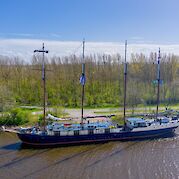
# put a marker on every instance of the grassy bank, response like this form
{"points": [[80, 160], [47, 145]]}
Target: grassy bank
{"points": [[27, 116]]}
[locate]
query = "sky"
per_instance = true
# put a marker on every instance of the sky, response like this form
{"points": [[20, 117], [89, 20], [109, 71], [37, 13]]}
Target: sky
{"points": [[27, 23]]}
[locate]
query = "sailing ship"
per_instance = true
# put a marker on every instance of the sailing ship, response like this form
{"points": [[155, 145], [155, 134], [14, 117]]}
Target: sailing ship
{"points": [[133, 128]]}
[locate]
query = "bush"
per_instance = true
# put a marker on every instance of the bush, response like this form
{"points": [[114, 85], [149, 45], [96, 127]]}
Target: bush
{"points": [[16, 117]]}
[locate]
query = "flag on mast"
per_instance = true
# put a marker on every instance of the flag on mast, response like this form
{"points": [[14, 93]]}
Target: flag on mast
{"points": [[82, 79]]}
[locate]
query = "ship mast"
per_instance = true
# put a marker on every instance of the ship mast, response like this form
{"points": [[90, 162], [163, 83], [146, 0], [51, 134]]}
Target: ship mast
{"points": [[82, 81], [125, 82], [158, 82], [44, 83]]}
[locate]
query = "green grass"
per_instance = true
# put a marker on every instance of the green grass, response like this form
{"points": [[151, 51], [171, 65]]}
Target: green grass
{"points": [[118, 119], [139, 109]]}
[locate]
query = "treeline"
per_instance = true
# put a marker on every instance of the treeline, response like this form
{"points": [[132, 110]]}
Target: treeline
{"points": [[20, 82]]}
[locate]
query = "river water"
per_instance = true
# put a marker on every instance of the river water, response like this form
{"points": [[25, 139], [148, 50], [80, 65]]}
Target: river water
{"points": [[148, 159]]}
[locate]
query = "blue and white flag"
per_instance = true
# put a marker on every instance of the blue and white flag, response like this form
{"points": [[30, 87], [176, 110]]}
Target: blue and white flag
{"points": [[82, 79]]}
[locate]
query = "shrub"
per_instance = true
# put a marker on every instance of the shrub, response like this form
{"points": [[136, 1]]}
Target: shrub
{"points": [[15, 117]]}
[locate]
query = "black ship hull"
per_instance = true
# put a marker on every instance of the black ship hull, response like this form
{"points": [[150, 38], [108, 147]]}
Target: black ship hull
{"points": [[53, 140]]}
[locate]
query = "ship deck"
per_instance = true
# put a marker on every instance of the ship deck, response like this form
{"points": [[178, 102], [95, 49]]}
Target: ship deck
{"points": [[156, 126]]}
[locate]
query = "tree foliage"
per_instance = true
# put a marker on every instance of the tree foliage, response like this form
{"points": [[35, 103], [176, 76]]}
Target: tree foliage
{"points": [[21, 82]]}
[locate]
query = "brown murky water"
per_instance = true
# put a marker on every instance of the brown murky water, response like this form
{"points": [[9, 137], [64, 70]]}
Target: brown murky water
{"points": [[148, 159]]}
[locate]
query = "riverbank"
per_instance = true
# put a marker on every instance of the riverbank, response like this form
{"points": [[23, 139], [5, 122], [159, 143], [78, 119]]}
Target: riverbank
{"points": [[31, 115]]}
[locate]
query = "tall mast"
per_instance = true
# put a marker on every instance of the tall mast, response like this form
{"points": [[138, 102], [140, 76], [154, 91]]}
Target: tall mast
{"points": [[158, 82], [44, 82], [82, 81], [125, 82]]}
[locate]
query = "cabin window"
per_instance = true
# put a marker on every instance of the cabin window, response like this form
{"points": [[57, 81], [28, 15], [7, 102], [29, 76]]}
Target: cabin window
{"points": [[90, 131], [57, 133], [107, 131], [76, 132]]}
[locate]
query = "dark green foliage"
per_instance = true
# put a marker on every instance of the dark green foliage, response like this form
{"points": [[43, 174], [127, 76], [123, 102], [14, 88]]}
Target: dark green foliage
{"points": [[15, 117], [22, 84]]}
